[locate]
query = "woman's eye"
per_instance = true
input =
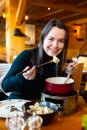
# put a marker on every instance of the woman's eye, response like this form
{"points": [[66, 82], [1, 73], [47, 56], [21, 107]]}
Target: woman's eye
{"points": [[50, 39], [62, 41]]}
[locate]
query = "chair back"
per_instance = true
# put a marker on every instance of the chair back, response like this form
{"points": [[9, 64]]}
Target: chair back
{"points": [[83, 59], [77, 76]]}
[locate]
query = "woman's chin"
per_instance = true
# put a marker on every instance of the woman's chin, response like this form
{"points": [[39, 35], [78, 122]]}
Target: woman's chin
{"points": [[52, 54]]}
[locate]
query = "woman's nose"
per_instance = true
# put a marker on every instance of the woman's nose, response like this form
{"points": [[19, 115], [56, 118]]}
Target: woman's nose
{"points": [[55, 44]]}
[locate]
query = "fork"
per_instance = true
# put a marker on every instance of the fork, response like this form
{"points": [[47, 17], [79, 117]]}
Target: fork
{"points": [[36, 67]]}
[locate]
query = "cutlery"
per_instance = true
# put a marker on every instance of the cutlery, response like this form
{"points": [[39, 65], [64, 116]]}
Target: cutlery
{"points": [[36, 67], [73, 60], [67, 78], [55, 60]]}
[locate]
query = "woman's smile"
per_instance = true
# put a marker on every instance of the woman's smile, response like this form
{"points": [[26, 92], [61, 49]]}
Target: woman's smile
{"points": [[54, 41]]}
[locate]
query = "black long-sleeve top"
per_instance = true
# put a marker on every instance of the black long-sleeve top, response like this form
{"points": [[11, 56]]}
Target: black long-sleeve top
{"points": [[22, 88]]}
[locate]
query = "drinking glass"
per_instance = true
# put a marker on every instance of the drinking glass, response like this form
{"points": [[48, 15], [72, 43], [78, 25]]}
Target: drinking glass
{"points": [[15, 123], [34, 122]]}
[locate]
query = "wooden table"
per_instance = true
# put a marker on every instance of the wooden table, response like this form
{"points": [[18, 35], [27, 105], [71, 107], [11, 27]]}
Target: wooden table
{"points": [[71, 122]]}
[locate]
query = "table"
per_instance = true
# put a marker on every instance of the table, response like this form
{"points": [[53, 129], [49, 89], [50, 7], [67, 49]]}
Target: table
{"points": [[61, 122]]}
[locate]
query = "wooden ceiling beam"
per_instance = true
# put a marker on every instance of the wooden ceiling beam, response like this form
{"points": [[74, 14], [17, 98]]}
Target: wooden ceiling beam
{"points": [[81, 3], [20, 11], [71, 16], [66, 6], [38, 17]]}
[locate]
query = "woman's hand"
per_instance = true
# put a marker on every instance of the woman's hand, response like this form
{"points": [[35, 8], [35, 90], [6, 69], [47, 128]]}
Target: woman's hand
{"points": [[71, 67], [30, 74]]}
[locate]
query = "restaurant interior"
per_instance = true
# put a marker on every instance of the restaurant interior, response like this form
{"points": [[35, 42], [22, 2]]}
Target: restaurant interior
{"points": [[21, 22]]}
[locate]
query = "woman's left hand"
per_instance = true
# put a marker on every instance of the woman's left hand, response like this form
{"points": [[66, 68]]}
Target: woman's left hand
{"points": [[71, 67]]}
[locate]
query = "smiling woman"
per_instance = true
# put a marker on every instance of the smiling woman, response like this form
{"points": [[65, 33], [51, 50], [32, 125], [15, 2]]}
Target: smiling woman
{"points": [[53, 44]]}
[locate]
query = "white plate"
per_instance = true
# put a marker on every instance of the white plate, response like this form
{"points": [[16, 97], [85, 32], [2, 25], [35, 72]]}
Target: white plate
{"points": [[4, 107]]}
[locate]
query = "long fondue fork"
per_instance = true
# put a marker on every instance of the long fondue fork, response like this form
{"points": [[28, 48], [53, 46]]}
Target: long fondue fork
{"points": [[55, 60], [67, 78], [36, 67], [76, 61]]}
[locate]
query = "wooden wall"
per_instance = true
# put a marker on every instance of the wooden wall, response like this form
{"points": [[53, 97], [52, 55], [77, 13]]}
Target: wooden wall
{"points": [[14, 44]]}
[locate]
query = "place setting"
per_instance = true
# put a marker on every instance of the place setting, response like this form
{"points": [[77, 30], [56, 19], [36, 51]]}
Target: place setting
{"points": [[20, 113]]}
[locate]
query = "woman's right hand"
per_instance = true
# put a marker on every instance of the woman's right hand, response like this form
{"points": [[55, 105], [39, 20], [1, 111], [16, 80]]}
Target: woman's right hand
{"points": [[30, 74]]}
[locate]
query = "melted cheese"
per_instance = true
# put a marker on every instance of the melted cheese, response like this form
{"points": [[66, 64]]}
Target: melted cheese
{"points": [[55, 59]]}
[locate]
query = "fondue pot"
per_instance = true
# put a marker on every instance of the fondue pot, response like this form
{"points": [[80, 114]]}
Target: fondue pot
{"points": [[56, 85]]}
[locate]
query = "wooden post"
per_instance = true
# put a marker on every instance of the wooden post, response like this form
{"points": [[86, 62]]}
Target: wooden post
{"points": [[14, 44]]}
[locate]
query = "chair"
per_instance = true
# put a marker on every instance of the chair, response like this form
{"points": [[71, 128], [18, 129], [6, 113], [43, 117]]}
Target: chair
{"points": [[4, 67], [77, 76], [83, 59]]}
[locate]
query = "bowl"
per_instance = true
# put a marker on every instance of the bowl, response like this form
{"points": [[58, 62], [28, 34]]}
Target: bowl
{"points": [[47, 118], [56, 85]]}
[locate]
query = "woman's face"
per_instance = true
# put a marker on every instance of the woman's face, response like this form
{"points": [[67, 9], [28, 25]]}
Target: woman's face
{"points": [[54, 41]]}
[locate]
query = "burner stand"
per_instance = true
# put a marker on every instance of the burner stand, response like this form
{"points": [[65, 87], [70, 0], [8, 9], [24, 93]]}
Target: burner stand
{"points": [[67, 104]]}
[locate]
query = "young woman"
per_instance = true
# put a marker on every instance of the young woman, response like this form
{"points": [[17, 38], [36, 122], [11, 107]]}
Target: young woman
{"points": [[53, 42]]}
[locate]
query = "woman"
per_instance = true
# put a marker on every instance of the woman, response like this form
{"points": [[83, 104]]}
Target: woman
{"points": [[53, 42]]}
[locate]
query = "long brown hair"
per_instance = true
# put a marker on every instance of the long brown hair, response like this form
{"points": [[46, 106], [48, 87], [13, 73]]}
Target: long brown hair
{"points": [[58, 23]]}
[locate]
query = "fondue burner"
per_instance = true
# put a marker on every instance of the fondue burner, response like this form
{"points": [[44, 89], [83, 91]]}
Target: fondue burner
{"points": [[67, 104]]}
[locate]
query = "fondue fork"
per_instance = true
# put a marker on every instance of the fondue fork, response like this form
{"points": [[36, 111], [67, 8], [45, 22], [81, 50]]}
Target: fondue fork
{"points": [[36, 67], [67, 78], [75, 60], [55, 60]]}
